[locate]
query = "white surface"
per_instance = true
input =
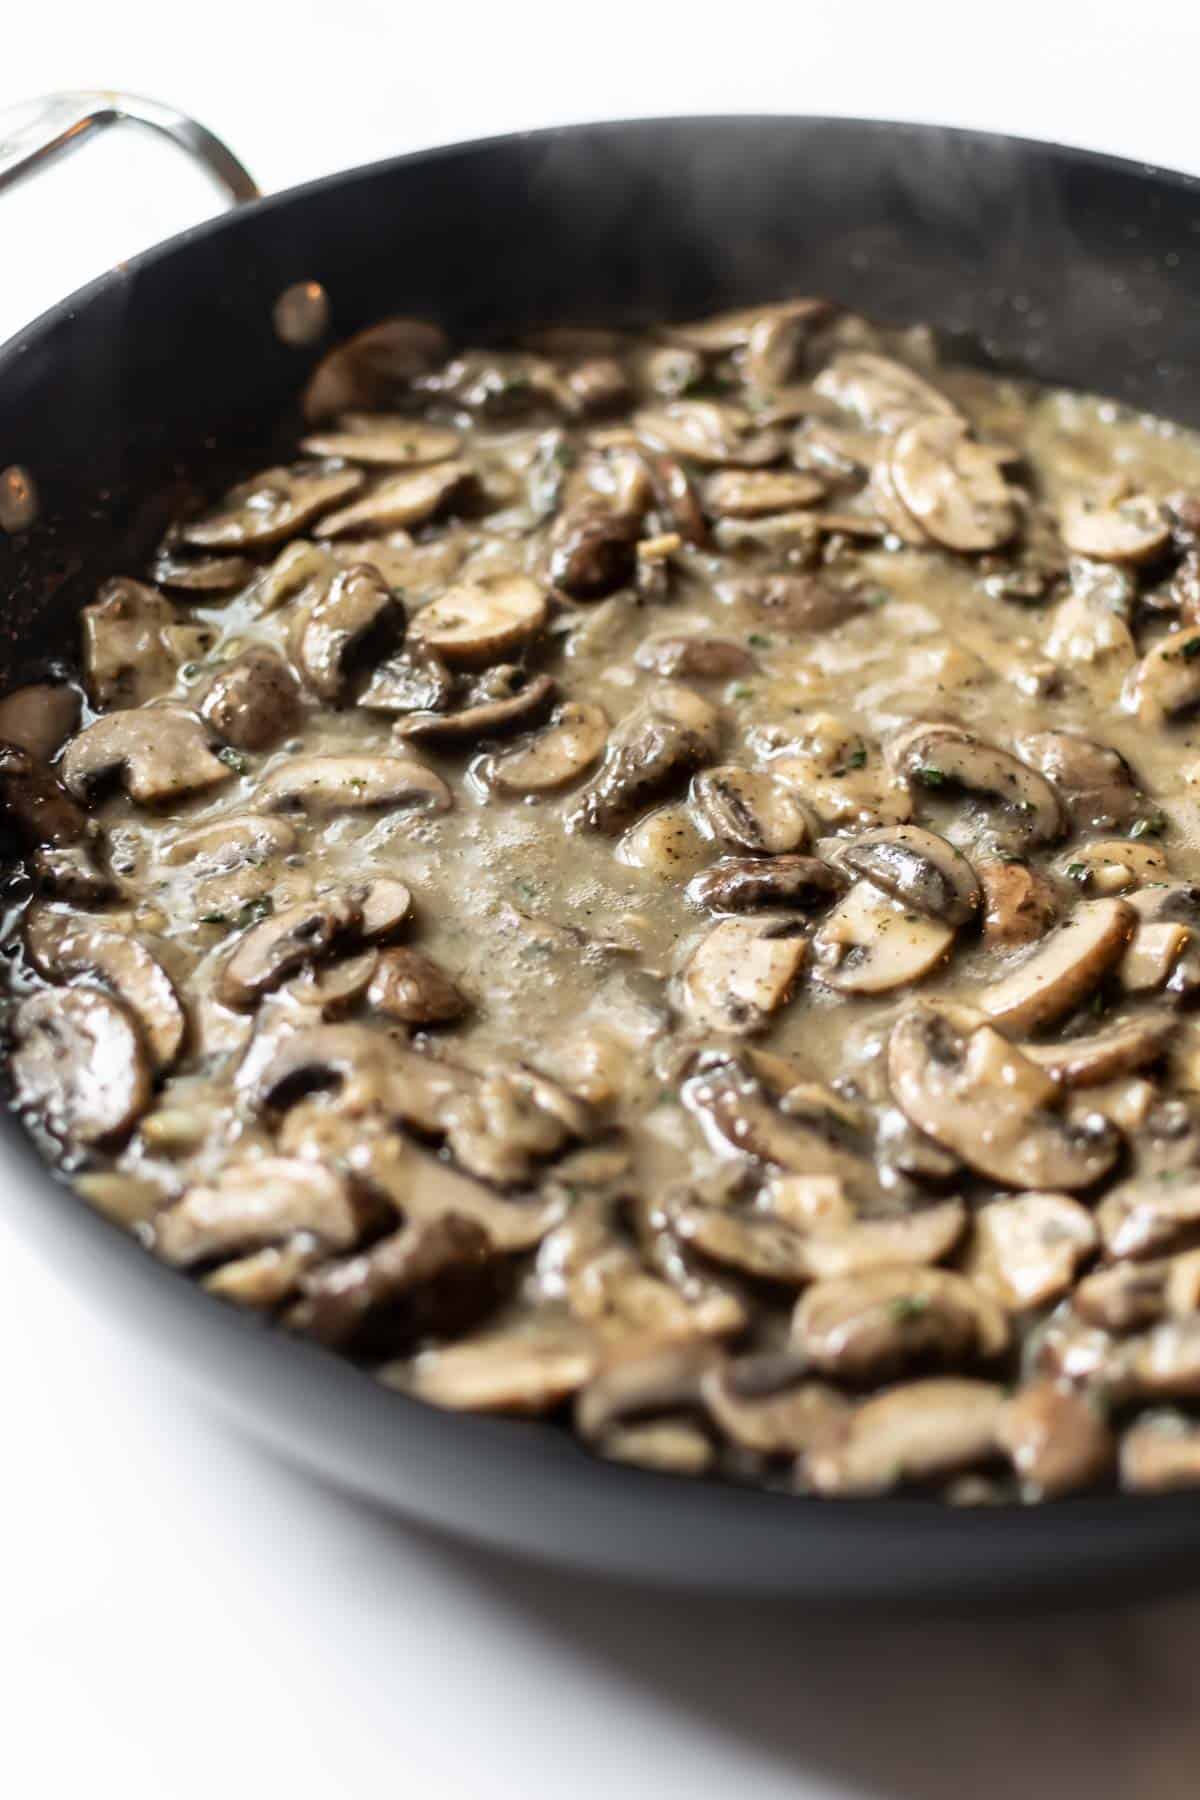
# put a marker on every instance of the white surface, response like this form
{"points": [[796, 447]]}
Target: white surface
{"points": [[181, 1616]]}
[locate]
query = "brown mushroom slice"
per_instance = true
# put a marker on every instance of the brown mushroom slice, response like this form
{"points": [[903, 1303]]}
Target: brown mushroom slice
{"points": [[1165, 948], [356, 618], [592, 550], [1160, 1454], [752, 493], [1148, 1216], [262, 1279], [530, 1371], [202, 574], [754, 1244], [814, 1137], [952, 486], [1164, 1363], [434, 1275], [1057, 1440], [937, 755], [256, 1202], [505, 698], [414, 680], [373, 367], [1119, 1049], [387, 438], [62, 946], [1065, 968], [736, 330], [769, 1404], [412, 988], [283, 944], [226, 843], [158, 752], [1020, 903], [33, 803], [560, 753], [78, 1065], [253, 701], [1130, 529], [353, 783], [273, 505], [708, 431], [641, 1385], [335, 988], [653, 748], [479, 622], [911, 1433], [694, 654], [397, 502], [750, 810], [423, 1187], [740, 883], [1095, 781], [861, 1245], [870, 944], [918, 868], [127, 653], [793, 604], [1167, 679], [742, 972], [974, 1093], [39, 718], [1114, 865], [1025, 1251], [883, 393], [868, 1326]]}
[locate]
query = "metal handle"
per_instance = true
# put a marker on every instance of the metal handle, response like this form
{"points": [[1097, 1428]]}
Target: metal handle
{"points": [[40, 131]]}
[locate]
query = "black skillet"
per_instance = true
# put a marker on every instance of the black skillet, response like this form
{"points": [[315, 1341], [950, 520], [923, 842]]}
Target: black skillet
{"points": [[1071, 267]]}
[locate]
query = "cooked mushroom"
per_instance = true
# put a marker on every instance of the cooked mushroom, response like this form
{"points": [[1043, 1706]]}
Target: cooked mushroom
{"points": [[39, 718], [1167, 679], [430, 1275], [481, 622], [1124, 1296], [1162, 1364], [868, 1326], [1025, 1251], [793, 604], [1150, 1216], [503, 699], [937, 755], [260, 1201], [1130, 529], [414, 680], [159, 753], [750, 810], [62, 946], [1064, 969], [635, 1388], [225, 843], [1091, 627], [563, 751], [1114, 865], [813, 1137], [373, 367], [1020, 903], [335, 988], [1095, 781], [770, 1404], [519, 1372], [202, 574], [870, 944], [1058, 1440], [951, 485], [253, 701], [127, 653], [387, 438], [884, 394], [740, 883], [750, 493], [976, 1094], [1160, 1452], [70, 872], [709, 431], [918, 868], [78, 1065], [694, 654], [33, 803], [398, 501], [1164, 951], [742, 972], [355, 621], [737, 330], [592, 551], [325, 784], [653, 748], [910, 1433], [410, 987], [271, 506], [1119, 1049], [271, 951]]}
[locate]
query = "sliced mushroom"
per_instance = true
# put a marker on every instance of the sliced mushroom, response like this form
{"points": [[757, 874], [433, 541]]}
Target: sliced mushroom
{"points": [[592, 551], [708, 431], [431, 1275], [325, 784], [202, 574], [62, 946], [1167, 679], [1165, 948], [978, 1096], [1151, 1215], [738, 884], [868, 1326], [159, 753], [1117, 1050], [1095, 781], [355, 621], [884, 394], [742, 972], [938, 755], [737, 330], [911, 1433], [518, 1372], [271, 506], [952, 486], [1162, 1364], [793, 604], [1131, 529], [254, 1203], [503, 699], [70, 872], [1114, 865], [1020, 903], [226, 843], [1091, 627], [870, 944], [750, 810], [253, 701], [751, 493], [423, 1187], [568, 746], [813, 1137], [483, 621], [918, 868], [127, 653], [335, 988], [1160, 1454], [373, 367], [415, 680], [397, 502], [638, 1387], [754, 1244], [1124, 1296], [79, 1066], [387, 438], [33, 803], [840, 774], [653, 748], [1026, 1251], [696, 655], [279, 946], [1057, 1439], [412, 988], [40, 718], [769, 1404], [1064, 969]]}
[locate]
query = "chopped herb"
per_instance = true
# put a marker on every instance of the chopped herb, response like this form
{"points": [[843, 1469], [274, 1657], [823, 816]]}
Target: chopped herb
{"points": [[1190, 650], [233, 759], [757, 641], [875, 596], [740, 692], [1077, 871], [1151, 825], [253, 911], [908, 1306], [190, 671], [526, 889], [214, 918], [930, 776], [1098, 1003]]}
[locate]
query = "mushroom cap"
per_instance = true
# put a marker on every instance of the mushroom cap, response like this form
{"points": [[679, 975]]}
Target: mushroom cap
{"points": [[271, 506], [742, 972], [751, 810], [325, 784], [356, 614], [252, 701], [79, 1065], [1062, 971], [373, 367], [478, 622], [160, 753], [413, 989], [952, 486], [917, 867], [936, 754], [870, 944], [740, 883], [1130, 529], [64, 945], [866, 1326]]}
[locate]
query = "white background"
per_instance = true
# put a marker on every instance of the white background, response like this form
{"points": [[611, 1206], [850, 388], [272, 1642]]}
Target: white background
{"points": [[182, 1617]]}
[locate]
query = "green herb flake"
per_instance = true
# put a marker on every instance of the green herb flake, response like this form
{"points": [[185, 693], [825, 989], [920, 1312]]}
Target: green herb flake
{"points": [[757, 641], [1190, 650], [233, 759], [1077, 871], [1150, 825], [906, 1307], [253, 911], [930, 776], [741, 692], [214, 918]]}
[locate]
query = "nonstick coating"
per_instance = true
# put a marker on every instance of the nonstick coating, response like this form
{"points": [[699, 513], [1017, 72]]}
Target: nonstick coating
{"points": [[1069, 267]]}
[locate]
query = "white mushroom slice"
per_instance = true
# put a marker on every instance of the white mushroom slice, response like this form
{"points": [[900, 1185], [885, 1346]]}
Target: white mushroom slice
{"points": [[1117, 1050], [765, 1404], [300, 573], [1091, 627], [870, 944], [356, 610], [868, 1326], [1160, 1454], [387, 438], [1131, 529], [563, 751], [271, 506], [884, 498], [709, 431], [1064, 969], [1167, 679], [1095, 780], [936, 756], [62, 946], [79, 1066], [736, 330], [202, 574], [127, 651], [841, 777], [1026, 1251], [1150, 1216], [502, 699], [1057, 1440], [374, 366], [518, 1372], [1114, 865], [752, 493], [279, 946], [742, 972], [1156, 950], [652, 749], [751, 810], [227, 843], [252, 701], [1165, 949], [884, 394], [917, 867], [952, 486], [325, 784], [975, 1094], [159, 753], [264, 1278], [401, 500], [1164, 1363], [910, 1433], [664, 843], [479, 622], [257, 1202]]}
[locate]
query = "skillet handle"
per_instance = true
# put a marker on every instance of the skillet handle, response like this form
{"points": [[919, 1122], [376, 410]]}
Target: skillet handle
{"points": [[40, 131]]}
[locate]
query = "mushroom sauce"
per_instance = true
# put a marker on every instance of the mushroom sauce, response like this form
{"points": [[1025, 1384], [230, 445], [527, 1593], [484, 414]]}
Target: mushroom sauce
{"points": [[655, 880]]}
